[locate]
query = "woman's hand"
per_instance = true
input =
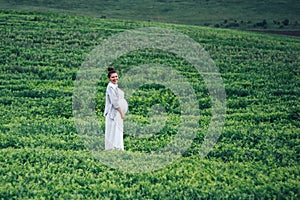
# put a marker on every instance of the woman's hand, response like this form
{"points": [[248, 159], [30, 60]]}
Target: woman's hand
{"points": [[121, 113]]}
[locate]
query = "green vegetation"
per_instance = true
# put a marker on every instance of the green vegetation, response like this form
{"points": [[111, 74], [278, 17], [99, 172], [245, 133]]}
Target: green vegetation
{"points": [[42, 156], [238, 14]]}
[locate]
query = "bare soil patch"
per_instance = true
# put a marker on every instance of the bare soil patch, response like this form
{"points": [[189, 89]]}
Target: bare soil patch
{"points": [[289, 33]]}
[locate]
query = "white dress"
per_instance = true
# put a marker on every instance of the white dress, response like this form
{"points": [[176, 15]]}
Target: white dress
{"points": [[114, 127]]}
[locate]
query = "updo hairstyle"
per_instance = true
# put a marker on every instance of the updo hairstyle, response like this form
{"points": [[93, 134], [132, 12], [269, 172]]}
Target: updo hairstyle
{"points": [[110, 70]]}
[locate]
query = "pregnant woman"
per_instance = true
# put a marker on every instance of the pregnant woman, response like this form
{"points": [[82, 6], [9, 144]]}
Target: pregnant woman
{"points": [[115, 109]]}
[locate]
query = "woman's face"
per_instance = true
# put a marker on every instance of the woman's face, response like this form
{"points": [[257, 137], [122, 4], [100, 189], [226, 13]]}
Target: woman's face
{"points": [[114, 78]]}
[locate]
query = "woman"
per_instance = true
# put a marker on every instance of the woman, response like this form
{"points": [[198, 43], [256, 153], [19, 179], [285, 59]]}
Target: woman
{"points": [[115, 109]]}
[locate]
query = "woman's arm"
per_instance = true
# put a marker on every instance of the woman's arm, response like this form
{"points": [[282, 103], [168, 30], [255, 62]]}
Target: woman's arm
{"points": [[114, 99]]}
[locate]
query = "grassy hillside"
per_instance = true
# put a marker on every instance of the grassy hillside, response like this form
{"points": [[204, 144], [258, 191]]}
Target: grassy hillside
{"points": [[42, 156], [255, 14]]}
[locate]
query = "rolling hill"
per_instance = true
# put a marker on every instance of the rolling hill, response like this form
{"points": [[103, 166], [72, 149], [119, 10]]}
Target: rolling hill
{"points": [[276, 15]]}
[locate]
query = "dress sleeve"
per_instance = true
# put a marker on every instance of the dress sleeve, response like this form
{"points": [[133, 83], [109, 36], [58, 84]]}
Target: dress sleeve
{"points": [[113, 96]]}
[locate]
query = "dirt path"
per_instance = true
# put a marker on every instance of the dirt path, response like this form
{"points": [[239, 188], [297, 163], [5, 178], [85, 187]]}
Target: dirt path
{"points": [[289, 33]]}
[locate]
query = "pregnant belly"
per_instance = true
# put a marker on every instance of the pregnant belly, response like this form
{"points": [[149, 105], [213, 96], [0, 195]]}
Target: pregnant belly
{"points": [[123, 105]]}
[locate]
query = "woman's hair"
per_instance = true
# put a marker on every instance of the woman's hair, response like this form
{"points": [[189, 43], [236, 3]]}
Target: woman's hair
{"points": [[110, 70]]}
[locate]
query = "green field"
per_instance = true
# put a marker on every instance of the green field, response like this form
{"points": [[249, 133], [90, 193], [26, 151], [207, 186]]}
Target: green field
{"points": [[279, 15], [43, 157]]}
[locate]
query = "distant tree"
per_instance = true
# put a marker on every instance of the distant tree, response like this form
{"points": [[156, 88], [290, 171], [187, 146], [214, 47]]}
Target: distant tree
{"points": [[233, 24], [261, 24], [285, 22], [264, 22]]}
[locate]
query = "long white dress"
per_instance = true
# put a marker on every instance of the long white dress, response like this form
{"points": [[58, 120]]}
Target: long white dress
{"points": [[114, 126]]}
